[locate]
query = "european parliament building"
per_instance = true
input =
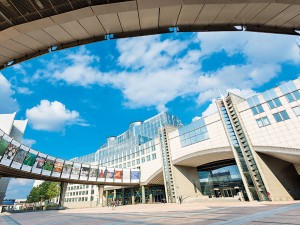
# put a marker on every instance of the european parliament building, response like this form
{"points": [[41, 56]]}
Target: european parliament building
{"points": [[248, 150]]}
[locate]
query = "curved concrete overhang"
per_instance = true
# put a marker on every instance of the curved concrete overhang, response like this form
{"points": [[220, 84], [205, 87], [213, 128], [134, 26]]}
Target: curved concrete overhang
{"points": [[205, 156], [291, 155], [31, 28], [155, 178]]}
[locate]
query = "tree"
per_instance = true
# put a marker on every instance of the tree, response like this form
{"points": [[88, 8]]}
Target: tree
{"points": [[45, 191]]}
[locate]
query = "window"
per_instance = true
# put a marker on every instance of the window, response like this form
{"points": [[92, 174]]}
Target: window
{"points": [[293, 96], [297, 110], [143, 159], [148, 158], [138, 161], [262, 122], [281, 116], [153, 156]]}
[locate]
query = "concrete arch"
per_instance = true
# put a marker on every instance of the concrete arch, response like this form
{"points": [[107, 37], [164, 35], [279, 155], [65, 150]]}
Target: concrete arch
{"points": [[205, 156], [291, 155], [30, 30]]}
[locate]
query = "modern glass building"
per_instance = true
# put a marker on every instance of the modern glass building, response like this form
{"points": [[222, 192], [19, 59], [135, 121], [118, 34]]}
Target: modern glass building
{"points": [[248, 150]]}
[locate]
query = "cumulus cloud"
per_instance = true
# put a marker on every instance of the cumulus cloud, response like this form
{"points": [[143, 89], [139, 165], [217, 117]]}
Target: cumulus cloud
{"points": [[52, 116], [152, 71], [8, 102], [24, 90], [28, 142]]}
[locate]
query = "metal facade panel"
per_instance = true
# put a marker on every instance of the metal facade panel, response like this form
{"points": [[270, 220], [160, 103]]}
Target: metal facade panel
{"points": [[110, 23], [115, 8], [8, 34], [72, 15], [92, 26], [249, 12], [75, 30], [17, 47], [168, 16], [43, 37], [150, 4], [29, 42], [189, 14], [34, 25], [295, 23], [59, 34], [285, 16], [8, 53], [209, 13], [3, 59], [129, 21], [228, 13], [268, 13], [149, 18]]}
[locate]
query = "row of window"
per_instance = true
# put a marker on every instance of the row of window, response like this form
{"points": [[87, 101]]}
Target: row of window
{"points": [[79, 199], [289, 90], [74, 193], [279, 116], [137, 161], [77, 187]]}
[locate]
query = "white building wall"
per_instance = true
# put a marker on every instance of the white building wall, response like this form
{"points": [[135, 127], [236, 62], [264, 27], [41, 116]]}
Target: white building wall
{"points": [[283, 134], [217, 141]]}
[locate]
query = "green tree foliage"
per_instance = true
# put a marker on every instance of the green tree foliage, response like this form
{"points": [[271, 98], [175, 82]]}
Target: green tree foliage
{"points": [[45, 191]]}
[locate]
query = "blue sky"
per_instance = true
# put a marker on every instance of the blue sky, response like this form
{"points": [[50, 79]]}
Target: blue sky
{"points": [[77, 97]]}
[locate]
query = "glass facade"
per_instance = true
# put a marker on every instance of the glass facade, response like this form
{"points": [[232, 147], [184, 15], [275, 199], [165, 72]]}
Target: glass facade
{"points": [[134, 146], [220, 179], [193, 133]]}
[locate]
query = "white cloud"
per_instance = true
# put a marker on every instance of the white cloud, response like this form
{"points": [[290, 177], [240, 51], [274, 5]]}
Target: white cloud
{"points": [[8, 102], [52, 116], [24, 90], [155, 71], [257, 47], [28, 142]]}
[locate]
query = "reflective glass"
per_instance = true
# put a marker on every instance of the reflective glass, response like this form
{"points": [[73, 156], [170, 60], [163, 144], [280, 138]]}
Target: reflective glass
{"points": [[277, 102], [250, 102], [284, 115], [296, 94], [265, 121], [291, 86], [254, 110], [260, 108], [290, 97], [256, 100], [260, 123], [297, 110], [277, 117], [284, 89], [266, 96], [271, 105]]}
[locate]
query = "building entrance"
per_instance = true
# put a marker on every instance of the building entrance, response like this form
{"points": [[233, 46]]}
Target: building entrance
{"points": [[220, 179]]}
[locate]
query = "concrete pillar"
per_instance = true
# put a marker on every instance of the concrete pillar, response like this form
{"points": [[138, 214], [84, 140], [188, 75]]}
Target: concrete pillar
{"points": [[143, 195], [123, 196], [150, 198], [100, 195], [106, 198], [63, 189], [132, 197], [115, 195]]}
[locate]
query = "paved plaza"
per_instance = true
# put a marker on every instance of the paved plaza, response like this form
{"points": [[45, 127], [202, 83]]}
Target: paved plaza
{"points": [[189, 213]]}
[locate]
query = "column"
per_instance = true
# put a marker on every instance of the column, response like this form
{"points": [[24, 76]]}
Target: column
{"points": [[132, 197], [63, 189], [100, 195], [115, 195], [143, 195], [150, 197], [106, 197], [123, 196]]}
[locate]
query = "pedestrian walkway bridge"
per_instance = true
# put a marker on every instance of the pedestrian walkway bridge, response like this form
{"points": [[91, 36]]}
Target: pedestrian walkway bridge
{"points": [[20, 161]]}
